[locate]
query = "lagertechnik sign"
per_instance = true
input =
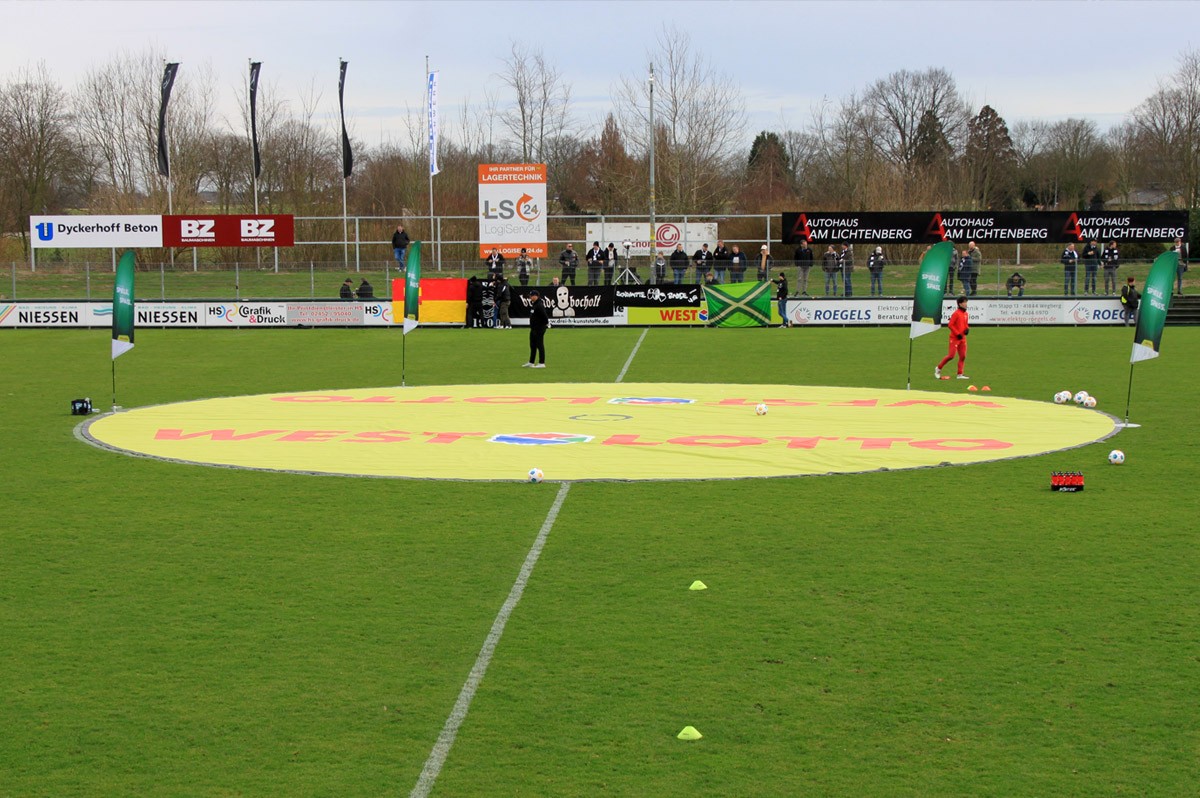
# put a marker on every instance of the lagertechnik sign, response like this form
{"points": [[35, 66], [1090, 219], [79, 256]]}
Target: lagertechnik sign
{"points": [[1030, 227]]}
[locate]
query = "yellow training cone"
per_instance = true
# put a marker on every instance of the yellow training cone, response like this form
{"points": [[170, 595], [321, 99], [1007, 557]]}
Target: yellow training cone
{"points": [[689, 733], [698, 585]]}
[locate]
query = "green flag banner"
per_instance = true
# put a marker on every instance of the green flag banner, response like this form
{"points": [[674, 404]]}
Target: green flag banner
{"points": [[412, 287], [739, 304], [931, 289], [122, 316], [1152, 312]]}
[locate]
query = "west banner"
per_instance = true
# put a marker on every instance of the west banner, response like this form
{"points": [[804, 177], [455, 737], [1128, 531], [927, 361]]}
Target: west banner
{"points": [[122, 308], [1152, 312], [1015, 227], [739, 304], [931, 289], [512, 209]]}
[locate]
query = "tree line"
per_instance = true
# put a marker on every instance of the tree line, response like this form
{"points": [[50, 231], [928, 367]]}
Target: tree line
{"points": [[909, 140]]}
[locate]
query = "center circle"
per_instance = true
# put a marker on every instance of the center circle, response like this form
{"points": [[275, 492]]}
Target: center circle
{"points": [[667, 431]]}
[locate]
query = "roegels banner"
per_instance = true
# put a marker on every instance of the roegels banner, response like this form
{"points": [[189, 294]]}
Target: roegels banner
{"points": [[1015, 227]]}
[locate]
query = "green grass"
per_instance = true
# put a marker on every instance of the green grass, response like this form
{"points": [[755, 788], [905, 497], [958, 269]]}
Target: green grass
{"points": [[178, 630], [296, 280]]}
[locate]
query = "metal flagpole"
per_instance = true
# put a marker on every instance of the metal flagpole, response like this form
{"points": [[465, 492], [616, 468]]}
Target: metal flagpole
{"points": [[653, 226], [429, 133]]}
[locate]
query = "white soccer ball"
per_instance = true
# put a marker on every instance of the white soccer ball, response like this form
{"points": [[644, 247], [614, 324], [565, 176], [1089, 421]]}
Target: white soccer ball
{"points": [[1062, 397], [1116, 457], [1081, 397], [761, 408], [536, 475], [1089, 401]]}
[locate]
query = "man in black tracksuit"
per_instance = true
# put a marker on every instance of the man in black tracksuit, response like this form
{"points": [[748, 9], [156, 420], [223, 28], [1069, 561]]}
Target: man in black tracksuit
{"points": [[538, 322]]}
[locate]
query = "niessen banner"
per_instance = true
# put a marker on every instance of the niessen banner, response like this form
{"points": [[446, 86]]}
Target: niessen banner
{"points": [[100, 232], [690, 235], [1015, 227], [512, 209], [228, 231]]}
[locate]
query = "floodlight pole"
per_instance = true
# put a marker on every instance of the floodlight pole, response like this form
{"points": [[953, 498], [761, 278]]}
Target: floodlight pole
{"points": [[653, 226]]}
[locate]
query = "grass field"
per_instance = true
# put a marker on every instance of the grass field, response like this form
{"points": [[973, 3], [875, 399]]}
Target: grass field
{"points": [[186, 631]]}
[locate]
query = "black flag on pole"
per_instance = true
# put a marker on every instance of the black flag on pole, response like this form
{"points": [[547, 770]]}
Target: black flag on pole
{"points": [[347, 155], [255, 66], [168, 80]]}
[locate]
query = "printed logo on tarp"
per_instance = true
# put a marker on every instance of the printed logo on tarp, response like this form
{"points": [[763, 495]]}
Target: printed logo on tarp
{"points": [[539, 438], [650, 400]]}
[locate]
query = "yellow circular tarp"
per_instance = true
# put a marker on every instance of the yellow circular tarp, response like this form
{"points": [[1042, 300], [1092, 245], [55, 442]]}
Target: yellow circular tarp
{"points": [[578, 431]]}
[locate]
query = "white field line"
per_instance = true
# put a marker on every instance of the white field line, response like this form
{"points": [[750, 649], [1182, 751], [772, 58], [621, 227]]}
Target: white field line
{"points": [[441, 749], [636, 346]]}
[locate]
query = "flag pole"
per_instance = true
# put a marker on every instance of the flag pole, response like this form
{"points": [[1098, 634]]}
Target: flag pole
{"points": [[114, 385], [908, 386], [429, 130], [403, 357], [1129, 395]]}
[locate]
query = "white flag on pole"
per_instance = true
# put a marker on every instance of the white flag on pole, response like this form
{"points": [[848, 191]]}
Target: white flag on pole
{"points": [[433, 123]]}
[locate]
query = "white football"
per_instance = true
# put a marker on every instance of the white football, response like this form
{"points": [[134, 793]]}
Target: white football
{"points": [[1116, 457], [1081, 397], [1062, 397], [1089, 401], [761, 408], [536, 475]]}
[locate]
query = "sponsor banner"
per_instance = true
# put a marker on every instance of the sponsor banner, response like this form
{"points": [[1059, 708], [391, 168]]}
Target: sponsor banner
{"points": [[224, 230], [994, 311], [676, 316], [184, 314], [657, 296], [246, 314], [512, 209], [325, 314], [101, 232], [1016, 227], [51, 314], [441, 300], [668, 234], [566, 305], [377, 314]]}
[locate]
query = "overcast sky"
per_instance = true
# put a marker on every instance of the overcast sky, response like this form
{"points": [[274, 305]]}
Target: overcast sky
{"points": [[1029, 60]]}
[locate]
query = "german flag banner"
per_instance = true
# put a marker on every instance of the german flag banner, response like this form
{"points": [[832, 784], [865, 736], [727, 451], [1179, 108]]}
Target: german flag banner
{"points": [[440, 300]]}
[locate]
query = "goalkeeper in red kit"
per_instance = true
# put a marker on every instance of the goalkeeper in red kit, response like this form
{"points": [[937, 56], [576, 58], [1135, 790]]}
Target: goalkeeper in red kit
{"points": [[959, 327]]}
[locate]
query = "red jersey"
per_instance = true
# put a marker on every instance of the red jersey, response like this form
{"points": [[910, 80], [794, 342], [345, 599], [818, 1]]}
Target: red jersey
{"points": [[958, 324]]}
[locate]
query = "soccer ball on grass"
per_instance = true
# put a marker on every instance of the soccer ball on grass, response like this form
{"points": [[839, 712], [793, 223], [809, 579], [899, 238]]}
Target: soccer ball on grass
{"points": [[1081, 397], [1062, 397], [1116, 457]]}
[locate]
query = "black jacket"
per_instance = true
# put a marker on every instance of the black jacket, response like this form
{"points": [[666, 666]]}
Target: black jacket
{"points": [[400, 240], [803, 257], [538, 320]]}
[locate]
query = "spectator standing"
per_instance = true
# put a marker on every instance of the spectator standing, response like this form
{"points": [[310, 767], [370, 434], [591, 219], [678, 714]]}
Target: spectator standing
{"points": [[875, 264], [976, 265], [679, 263], [703, 262], [538, 322], [365, 290], [347, 291], [1180, 248], [1112, 262], [951, 271], [1129, 301], [569, 261], [964, 271], [400, 242], [829, 265], [1017, 281], [610, 263], [595, 263], [781, 295], [660, 268], [846, 266], [721, 260], [737, 265], [524, 264], [1091, 266], [765, 263], [803, 259], [503, 298], [1070, 260], [495, 263]]}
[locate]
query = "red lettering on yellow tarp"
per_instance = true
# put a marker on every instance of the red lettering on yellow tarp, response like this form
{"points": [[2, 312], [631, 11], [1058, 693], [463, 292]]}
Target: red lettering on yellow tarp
{"points": [[804, 443], [312, 398], [627, 440], [577, 400], [856, 403], [384, 436], [877, 443], [679, 314], [717, 441], [973, 444], [451, 437], [428, 400], [504, 400], [213, 434], [933, 403], [312, 435], [753, 402]]}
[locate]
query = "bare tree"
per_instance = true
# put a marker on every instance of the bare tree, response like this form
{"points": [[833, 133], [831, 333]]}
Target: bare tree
{"points": [[904, 98], [1169, 121], [541, 109], [38, 156], [702, 119]]}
